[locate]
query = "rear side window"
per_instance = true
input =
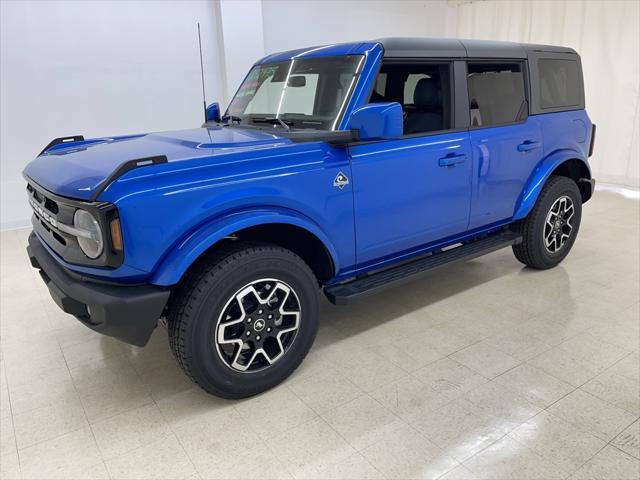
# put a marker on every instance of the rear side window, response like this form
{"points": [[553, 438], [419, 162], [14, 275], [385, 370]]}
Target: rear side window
{"points": [[559, 83], [496, 93]]}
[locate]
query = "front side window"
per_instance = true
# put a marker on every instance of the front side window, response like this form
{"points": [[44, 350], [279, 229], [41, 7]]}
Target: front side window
{"points": [[496, 93], [423, 90], [559, 83], [301, 93]]}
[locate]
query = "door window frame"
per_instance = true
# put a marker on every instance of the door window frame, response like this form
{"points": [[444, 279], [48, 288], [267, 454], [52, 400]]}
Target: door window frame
{"points": [[460, 118]]}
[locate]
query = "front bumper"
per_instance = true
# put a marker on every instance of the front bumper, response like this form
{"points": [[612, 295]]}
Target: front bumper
{"points": [[128, 313]]}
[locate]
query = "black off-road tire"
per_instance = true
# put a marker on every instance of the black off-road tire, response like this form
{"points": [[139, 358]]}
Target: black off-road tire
{"points": [[532, 251], [195, 307]]}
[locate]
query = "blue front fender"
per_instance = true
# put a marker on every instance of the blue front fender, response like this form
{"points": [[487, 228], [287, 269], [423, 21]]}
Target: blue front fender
{"points": [[190, 248], [540, 176]]}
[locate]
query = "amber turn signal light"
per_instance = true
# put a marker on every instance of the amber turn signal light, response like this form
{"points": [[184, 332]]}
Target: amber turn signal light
{"points": [[116, 234]]}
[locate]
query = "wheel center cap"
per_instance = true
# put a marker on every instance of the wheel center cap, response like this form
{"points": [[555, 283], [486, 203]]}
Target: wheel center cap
{"points": [[258, 325]]}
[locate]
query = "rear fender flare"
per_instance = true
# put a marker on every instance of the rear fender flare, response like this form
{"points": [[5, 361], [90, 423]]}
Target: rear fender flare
{"points": [[539, 177], [185, 253]]}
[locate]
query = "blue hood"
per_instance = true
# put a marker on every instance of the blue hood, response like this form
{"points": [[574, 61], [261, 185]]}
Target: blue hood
{"points": [[77, 169]]}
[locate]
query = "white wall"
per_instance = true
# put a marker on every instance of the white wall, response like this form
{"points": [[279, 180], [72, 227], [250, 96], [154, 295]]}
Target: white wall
{"points": [[96, 69], [243, 40], [304, 23], [606, 34]]}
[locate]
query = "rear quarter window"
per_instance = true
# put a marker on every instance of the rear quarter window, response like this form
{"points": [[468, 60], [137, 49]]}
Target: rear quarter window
{"points": [[559, 83]]}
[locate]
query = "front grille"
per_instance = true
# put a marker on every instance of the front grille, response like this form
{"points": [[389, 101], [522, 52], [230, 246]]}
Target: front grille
{"points": [[47, 212], [53, 233], [51, 206], [50, 210], [42, 199]]}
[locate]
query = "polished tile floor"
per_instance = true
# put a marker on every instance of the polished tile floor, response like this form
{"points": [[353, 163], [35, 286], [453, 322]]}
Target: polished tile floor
{"points": [[482, 370]]}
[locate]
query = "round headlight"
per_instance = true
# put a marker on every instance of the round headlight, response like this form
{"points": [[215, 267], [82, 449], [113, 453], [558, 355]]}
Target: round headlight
{"points": [[92, 244]]}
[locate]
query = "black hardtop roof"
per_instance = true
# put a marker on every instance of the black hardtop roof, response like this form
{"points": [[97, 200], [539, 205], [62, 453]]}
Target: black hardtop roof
{"points": [[407, 47]]}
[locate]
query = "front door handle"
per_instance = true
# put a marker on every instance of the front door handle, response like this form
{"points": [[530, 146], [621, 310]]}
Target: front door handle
{"points": [[528, 145], [452, 159]]}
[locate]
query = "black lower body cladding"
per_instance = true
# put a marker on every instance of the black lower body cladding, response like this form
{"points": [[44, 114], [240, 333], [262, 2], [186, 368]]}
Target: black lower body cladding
{"points": [[128, 313]]}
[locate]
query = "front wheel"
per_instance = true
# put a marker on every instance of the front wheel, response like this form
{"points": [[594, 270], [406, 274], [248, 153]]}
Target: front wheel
{"points": [[550, 229], [244, 320]]}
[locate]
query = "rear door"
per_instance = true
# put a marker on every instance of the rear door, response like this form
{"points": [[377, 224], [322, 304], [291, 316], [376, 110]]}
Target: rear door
{"points": [[506, 142], [415, 190]]}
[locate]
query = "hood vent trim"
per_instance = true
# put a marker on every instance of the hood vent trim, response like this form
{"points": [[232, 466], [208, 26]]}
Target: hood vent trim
{"points": [[124, 168]]}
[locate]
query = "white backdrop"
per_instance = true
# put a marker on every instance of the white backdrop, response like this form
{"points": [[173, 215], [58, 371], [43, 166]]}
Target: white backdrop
{"points": [[606, 35], [303, 23], [101, 68], [96, 69]]}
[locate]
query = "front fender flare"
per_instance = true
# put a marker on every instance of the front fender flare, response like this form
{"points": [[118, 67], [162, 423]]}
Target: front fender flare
{"points": [[540, 176], [182, 256]]}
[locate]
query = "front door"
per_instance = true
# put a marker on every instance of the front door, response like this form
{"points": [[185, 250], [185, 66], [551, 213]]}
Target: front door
{"points": [[412, 191], [408, 193]]}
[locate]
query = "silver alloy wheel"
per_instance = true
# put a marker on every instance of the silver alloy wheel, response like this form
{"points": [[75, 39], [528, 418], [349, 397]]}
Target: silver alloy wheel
{"points": [[257, 325], [557, 226]]}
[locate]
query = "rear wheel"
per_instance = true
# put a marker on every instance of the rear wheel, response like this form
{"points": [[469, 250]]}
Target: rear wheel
{"points": [[550, 229], [244, 320]]}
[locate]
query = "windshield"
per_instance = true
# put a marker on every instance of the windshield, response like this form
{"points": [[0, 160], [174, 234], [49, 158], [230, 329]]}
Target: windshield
{"points": [[299, 93]]}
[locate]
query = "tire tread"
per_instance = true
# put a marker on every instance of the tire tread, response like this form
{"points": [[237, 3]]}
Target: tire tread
{"points": [[528, 251], [191, 292]]}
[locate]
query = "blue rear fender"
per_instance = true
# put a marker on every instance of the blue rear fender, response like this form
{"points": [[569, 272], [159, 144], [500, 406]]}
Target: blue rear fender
{"points": [[190, 248], [541, 174]]}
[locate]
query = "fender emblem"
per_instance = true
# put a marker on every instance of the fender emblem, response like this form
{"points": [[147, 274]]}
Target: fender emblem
{"points": [[340, 181]]}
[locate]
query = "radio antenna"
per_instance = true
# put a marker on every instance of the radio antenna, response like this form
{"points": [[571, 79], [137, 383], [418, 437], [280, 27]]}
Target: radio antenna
{"points": [[204, 97]]}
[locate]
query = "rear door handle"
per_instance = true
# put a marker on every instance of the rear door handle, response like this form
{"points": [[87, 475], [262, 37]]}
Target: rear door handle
{"points": [[452, 159], [528, 145]]}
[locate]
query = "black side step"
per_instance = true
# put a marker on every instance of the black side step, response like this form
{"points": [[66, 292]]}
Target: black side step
{"points": [[344, 293]]}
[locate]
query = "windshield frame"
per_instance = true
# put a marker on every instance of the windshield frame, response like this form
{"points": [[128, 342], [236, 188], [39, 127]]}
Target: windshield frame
{"points": [[275, 121]]}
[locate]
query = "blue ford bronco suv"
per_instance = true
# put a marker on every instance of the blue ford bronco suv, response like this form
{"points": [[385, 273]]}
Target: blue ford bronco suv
{"points": [[339, 169]]}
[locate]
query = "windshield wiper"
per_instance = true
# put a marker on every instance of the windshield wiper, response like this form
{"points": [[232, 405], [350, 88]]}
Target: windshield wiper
{"points": [[274, 121], [283, 123], [232, 118]]}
